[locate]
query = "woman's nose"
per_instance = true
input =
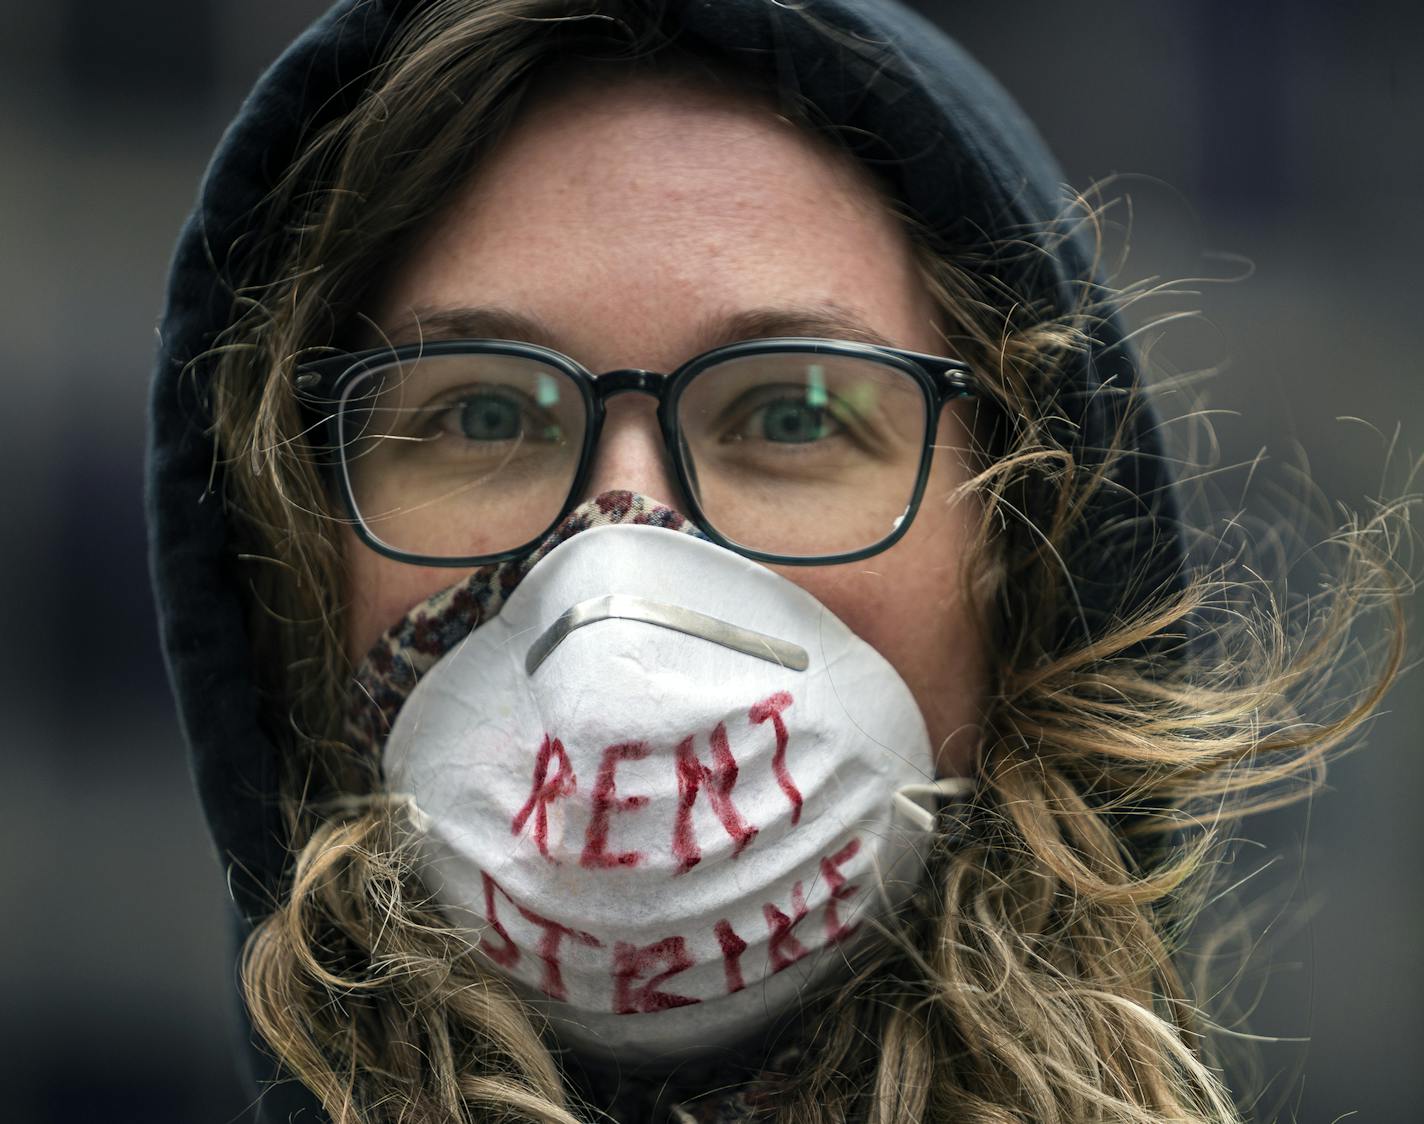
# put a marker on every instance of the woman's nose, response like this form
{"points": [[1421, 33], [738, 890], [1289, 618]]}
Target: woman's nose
{"points": [[630, 453]]}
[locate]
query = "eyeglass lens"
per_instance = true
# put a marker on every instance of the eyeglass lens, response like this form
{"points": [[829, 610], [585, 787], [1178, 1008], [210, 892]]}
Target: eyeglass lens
{"points": [[788, 453]]}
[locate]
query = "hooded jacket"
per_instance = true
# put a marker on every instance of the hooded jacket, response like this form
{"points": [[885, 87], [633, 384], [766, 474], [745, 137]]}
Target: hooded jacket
{"points": [[960, 156]]}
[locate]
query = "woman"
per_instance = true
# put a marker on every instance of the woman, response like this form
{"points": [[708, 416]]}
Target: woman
{"points": [[827, 740]]}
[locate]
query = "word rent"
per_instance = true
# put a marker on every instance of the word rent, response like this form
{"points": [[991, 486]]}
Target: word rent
{"points": [[554, 780]]}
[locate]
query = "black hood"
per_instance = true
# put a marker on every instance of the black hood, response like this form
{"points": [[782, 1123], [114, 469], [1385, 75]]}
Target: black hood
{"points": [[911, 104]]}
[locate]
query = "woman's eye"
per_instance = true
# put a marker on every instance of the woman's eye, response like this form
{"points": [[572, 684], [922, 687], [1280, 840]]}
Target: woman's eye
{"points": [[793, 421], [486, 417]]}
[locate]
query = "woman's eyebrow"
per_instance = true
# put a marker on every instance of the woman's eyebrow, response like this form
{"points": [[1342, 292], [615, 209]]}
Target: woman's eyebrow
{"points": [[426, 324], [826, 319]]}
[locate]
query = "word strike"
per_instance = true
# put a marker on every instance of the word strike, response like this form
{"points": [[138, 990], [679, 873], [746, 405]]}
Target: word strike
{"points": [[640, 973]]}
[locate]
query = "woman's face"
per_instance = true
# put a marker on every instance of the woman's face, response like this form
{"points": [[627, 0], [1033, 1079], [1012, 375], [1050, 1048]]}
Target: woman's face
{"points": [[643, 222]]}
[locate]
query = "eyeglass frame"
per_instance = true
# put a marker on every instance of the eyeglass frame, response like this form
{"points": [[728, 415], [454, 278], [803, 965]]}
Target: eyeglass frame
{"points": [[323, 382]]}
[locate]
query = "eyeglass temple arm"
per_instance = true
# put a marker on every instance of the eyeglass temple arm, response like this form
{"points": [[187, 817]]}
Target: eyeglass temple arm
{"points": [[952, 378], [317, 375]]}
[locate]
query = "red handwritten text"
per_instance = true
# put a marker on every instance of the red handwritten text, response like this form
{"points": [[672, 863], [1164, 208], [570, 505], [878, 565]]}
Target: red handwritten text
{"points": [[545, 792], [554, 780], [841, 890], [631, 964], [639, 973], [507, 956], [784, 948], [719, 779], [595, 848], [732, 948], [771, 708]]}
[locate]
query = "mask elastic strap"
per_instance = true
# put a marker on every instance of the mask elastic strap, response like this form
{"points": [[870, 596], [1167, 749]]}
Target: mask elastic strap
{"points": [[917, 805]]}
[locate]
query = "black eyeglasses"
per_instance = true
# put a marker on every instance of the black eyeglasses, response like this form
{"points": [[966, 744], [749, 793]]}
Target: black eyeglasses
{"points": [[787, 450]]}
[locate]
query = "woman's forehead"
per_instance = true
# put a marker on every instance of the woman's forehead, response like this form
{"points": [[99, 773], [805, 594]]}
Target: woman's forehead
{"points": [[652, 207]]}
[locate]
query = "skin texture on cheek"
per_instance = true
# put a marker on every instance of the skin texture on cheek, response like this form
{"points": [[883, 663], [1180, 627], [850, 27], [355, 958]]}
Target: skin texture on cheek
{"points": [[637, 222]]}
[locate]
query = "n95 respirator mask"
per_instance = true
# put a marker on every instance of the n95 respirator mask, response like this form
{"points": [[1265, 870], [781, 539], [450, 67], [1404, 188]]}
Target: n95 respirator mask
{"points": [[663, 789]]}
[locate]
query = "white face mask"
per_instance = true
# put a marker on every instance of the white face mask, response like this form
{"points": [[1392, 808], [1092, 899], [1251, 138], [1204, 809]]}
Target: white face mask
{"points": [[662, 789]]}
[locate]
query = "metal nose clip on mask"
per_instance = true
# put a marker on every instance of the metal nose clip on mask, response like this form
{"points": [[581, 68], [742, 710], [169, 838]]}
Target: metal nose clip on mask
{"points": [[661, 788], [615, 606]]}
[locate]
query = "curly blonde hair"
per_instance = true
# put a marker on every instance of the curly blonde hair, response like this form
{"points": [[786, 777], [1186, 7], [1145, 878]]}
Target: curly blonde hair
{"points": [[1033, 977]]}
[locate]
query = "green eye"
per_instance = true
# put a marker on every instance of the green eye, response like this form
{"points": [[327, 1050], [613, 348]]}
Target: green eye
{"points": [[794, 421], [490, 417]]}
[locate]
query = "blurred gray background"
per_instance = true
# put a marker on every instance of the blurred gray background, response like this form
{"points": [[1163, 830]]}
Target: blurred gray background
{"points": [[1288, 134]]}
